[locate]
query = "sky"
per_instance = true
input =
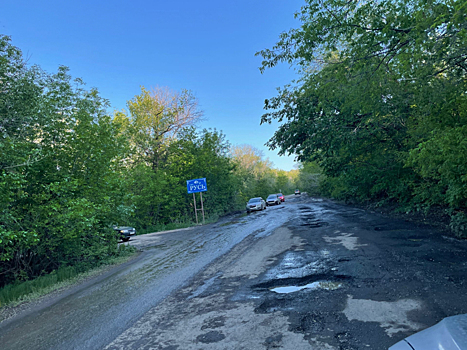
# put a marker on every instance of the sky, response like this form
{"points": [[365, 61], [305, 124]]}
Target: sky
{"points": [[205, 46]]}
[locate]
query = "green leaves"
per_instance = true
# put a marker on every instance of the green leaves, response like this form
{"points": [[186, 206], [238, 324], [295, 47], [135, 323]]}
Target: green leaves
{"points": [[59, 170], [154, 120], [381, 103]]}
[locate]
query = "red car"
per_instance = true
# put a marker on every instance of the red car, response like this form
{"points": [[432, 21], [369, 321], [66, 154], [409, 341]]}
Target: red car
{"points": [[281, 196]]}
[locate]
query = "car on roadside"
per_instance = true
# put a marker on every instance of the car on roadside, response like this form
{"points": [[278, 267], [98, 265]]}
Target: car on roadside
{"points": [[255, 204], [273, 199], [449, 334], [124, 232], [281, 197], [297, 191]]}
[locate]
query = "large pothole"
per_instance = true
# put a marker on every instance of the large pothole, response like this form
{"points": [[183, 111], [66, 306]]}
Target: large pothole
{"points": [[312, 282]]}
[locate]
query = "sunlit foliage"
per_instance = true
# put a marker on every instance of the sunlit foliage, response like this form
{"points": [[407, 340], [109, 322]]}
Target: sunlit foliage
{"points": [[381, 105]]}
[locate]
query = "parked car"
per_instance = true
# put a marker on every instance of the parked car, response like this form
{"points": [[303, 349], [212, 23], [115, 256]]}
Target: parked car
{"points": [[254, 204], [297, 191], [281, 197], [125, 232], [273, 199], [449, 334]]}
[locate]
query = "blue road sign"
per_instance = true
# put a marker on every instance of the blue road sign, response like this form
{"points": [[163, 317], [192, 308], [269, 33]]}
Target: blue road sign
{"points": [[196, 185]]}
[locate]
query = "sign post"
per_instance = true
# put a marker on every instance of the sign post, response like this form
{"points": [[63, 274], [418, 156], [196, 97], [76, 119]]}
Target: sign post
{"points": [[195, 186], [196, 210]]}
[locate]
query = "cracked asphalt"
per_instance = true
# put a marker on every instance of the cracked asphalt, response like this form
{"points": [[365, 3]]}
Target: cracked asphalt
{"points": [[307, 274]]}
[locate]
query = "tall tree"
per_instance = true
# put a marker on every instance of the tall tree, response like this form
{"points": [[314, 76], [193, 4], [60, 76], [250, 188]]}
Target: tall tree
{"points": [[60, 186], [256, 175], [383, 86], [154, 119]]}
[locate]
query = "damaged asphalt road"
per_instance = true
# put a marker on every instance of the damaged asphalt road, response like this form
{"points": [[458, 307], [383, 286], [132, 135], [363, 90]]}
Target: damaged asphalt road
{"points": [[308, 274]]}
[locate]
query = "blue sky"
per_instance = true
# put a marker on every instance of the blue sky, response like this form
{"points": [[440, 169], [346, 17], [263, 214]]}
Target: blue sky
{"points": [[206, 46]]}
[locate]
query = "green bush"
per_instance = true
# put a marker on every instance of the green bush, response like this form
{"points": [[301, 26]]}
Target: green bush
{"points": [[458, 224]]}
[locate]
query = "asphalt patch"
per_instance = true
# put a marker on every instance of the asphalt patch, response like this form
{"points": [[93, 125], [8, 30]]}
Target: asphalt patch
{"points": [[274, 341], [213, 323], [315, 224], [210, 337]]}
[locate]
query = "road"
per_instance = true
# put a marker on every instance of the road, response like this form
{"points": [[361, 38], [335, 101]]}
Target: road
{"points": [[307, 274]]}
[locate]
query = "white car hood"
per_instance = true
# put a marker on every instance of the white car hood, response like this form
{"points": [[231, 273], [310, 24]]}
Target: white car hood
{"points": [[449, 334]]}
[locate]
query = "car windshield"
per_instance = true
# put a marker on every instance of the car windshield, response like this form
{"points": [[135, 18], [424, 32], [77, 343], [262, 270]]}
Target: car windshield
{"points": [[272, 196], [280, 194], [254, 200]]}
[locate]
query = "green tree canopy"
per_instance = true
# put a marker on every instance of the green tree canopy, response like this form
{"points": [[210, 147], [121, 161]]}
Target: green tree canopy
{"points": [[154, 119], [59, 169], [382, 93]]}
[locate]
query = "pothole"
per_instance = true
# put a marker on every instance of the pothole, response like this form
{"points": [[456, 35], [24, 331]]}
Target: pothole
{"points": [[316, 223], [210, 337], [326, 285], [309, 211], [327, 281]]}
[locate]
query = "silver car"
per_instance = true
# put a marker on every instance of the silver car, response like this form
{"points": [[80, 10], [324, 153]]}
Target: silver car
{"points": [[254, 204], [273, 199]]}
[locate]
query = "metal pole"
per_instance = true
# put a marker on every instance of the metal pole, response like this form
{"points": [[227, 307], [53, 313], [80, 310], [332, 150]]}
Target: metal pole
{"points": [[196, 214], [202, 208]]}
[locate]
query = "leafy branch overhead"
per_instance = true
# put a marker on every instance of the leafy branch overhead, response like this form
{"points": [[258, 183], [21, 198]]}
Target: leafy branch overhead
{"points": [[411, 38], [381, 102]]}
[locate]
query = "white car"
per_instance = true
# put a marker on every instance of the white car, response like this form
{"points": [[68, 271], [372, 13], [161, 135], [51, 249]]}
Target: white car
{"points": [[254, 204], [449, 334]]}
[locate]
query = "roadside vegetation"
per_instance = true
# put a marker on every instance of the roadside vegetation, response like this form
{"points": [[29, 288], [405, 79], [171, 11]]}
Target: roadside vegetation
{"points": [[70, 170], [18, 293], [381, 106]]}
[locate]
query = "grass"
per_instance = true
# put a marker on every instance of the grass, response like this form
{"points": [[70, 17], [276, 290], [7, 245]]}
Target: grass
{"points": [[14, 294]]}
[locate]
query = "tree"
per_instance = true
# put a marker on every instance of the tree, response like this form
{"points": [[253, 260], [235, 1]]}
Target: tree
{"points": [[381, 82], [205, 154], [161, 197], [60, 182], [154, 120], [255, 173]]}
